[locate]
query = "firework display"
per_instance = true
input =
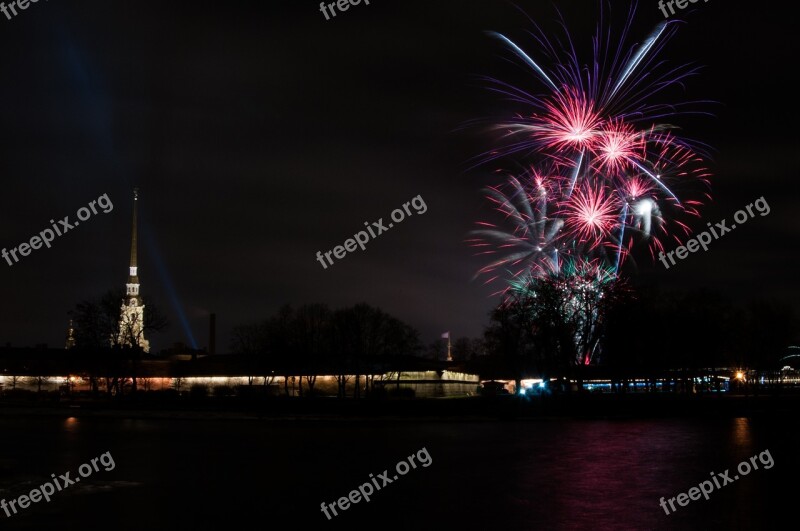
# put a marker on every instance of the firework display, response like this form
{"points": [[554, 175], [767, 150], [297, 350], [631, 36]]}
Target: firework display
{"points": [[604, 169]]}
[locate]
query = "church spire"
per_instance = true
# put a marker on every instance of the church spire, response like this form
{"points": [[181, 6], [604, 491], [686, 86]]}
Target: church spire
{"points": [[131, 324], [133, 279]]}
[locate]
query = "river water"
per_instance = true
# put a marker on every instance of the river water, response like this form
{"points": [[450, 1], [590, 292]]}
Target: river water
{"points": [[541, 474]]}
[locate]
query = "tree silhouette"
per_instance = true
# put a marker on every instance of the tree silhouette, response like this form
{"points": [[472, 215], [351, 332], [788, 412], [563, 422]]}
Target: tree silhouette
{"points": [[350, 343], [555, 322], [98, 325]]}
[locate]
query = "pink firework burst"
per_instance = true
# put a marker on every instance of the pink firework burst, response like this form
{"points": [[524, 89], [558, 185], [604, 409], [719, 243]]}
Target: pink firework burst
{"points": [[591, 215], [617, 147], [637, 187], [570, 122]]}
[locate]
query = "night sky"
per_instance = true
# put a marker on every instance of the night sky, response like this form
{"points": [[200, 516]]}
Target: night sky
{"points": [[260, 133]]}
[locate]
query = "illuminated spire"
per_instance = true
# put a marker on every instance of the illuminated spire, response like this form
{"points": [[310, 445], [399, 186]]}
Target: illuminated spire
{"points": [[133, 278], [132, 312]]}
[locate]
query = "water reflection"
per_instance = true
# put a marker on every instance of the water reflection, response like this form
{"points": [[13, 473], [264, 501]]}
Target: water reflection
{"points": [[554, 474], [71, 424], [742, 433]]}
